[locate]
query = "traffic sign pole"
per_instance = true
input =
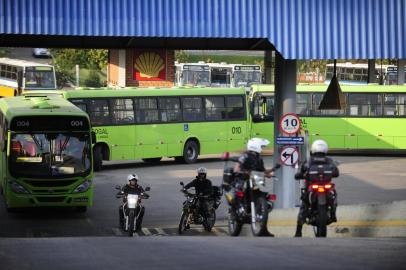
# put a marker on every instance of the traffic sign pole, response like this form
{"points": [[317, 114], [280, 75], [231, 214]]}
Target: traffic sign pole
{"points": [[285, 102]]}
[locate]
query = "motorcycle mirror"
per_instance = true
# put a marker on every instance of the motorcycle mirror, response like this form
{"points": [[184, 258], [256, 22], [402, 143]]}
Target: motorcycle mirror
{"points": [[147, 189], [118, 187], [181, 183]]}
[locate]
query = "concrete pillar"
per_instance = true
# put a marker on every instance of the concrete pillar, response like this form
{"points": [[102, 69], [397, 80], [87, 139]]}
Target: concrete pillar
{"points": [[285, 102], [371, 71], [268, 76], [121, 68], [401, 71]]}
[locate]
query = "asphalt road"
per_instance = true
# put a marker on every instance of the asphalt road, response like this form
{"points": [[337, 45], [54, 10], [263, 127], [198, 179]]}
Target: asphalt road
{"points": [[363, 180], [201, 253]]}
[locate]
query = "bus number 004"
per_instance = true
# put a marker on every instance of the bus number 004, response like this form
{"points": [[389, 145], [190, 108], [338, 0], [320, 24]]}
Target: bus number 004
{"points": [[76, 123], [236, 130]]}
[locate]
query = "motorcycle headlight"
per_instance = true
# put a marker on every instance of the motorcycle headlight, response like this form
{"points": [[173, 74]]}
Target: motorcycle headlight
{"points": [[259, 180], [17, 188], [83, 187], [132, 200]]}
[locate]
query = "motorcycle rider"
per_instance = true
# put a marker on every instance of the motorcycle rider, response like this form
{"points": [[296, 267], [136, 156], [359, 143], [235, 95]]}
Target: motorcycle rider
{"points": [[203, 186], [309, 171], [132, 188]]}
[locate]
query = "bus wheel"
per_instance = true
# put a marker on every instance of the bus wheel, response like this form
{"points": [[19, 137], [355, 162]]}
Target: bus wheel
{"points": [[190, 152], [152, 160], [97, 158]]}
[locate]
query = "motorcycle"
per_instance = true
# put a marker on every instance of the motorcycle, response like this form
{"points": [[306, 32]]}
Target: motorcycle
{"points": [[192, 213], [320, 197], [249, 205], [131, 209]]}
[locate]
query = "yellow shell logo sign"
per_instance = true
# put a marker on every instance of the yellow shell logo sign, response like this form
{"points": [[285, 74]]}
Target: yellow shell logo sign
{"points": [[149, 64]]}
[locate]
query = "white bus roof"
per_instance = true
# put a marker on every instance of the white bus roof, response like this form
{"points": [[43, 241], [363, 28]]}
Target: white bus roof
{"points": [[359, 65], [21, 63]]}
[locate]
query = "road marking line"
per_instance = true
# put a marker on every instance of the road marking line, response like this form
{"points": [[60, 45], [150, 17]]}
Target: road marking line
{"points": [[146, 232], [117, 231], [160, 231]]}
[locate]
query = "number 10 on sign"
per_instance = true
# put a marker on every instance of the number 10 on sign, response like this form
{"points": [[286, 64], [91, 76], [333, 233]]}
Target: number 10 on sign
{"points": [[289, 123]]}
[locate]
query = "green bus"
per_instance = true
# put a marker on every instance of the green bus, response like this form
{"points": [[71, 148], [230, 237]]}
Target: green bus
{"points": [[374, 119], [150, 124], [46, 157]]}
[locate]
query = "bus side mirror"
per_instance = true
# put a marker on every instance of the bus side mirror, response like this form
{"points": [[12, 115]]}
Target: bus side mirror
{"points": [[93, 137]]}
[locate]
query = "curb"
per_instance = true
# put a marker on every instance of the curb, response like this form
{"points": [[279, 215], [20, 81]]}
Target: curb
{"points": [[360, 220]]}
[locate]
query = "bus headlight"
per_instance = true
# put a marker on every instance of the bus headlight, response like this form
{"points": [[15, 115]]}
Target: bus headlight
{"points": [[17, 188], [83, 187]]}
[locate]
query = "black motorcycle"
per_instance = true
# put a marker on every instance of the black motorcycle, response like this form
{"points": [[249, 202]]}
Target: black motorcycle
{"points": [[131, 209], [194, 212], [320, 197], [249, 205]]}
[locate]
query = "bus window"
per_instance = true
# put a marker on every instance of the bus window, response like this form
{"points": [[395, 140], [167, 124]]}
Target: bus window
{"points": [[235, 108], [99, 112], [146, 110], [169, 109], [215, 109], [262, 108], [303, 104], [394, 105], [365, 104], [192, 109], [39, 77], [317, 97], [123, 110]]}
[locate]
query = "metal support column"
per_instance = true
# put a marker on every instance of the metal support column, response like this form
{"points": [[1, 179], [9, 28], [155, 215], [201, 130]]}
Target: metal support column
{"points": [[371, 71], [285, 102], [268, 76], [401, 71]]}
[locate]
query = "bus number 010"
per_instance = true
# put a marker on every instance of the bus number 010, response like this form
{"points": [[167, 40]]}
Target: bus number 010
{"points": [[236, 130]]}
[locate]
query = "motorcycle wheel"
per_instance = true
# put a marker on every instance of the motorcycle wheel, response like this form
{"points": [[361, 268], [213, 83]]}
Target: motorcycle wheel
{"points": [[131, 223], [182, 223], [234, 226], [321, 229], [261, 219], [209, 222]]}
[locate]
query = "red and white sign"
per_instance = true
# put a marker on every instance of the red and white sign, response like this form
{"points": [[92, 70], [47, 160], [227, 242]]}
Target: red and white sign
{"points": [[289, 123], [289, 155]]}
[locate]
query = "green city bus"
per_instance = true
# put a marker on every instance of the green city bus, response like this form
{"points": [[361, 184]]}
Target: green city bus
{"points": [[46, 157], [374, 119], [154, 123]]}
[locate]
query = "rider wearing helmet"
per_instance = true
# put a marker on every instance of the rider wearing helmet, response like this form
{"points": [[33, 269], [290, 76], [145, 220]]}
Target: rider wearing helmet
{"points": [[132, 188], [251, 159], [204, 188], [310, 171]]}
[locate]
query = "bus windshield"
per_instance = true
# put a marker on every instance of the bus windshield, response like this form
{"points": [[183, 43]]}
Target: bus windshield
{"points": [[193, 77], [246, 78], [49, 154], [39, 78]]}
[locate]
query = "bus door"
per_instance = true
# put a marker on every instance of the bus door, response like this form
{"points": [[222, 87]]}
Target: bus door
{"points": [[237, 128], [262, 115]]}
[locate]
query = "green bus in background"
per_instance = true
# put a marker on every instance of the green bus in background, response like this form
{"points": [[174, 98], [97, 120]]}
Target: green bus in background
{"points": [[175, 122], [374, 119], [46, 157]]}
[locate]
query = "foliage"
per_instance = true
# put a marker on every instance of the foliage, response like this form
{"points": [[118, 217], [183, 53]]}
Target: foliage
{"points": [[3, 52], [86, 58], [93, 79]]}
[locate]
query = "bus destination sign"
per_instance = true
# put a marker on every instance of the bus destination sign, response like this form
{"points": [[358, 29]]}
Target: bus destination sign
{"points": [[49, 123]]}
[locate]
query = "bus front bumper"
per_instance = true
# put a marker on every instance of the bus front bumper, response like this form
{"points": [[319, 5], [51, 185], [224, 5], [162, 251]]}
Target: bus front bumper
{"points": [[14, 200]]}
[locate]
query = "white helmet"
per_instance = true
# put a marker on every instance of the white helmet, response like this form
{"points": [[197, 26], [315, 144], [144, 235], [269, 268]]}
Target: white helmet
{"points": [[201, 170], [256, 144], [131, 177], [319, 146]]}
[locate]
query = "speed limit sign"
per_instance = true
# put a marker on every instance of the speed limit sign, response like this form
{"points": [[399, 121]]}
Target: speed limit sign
{"points": [[289, 123]]}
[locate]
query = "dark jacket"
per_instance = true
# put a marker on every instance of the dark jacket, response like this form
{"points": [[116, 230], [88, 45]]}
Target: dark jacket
{"points": [[319, 168], [251, 161], [202, 186], [127, 189]]}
